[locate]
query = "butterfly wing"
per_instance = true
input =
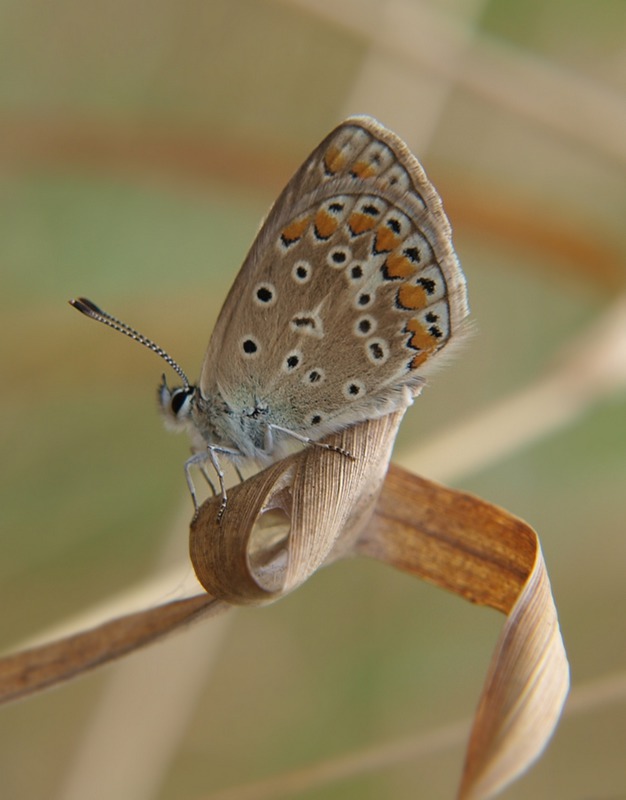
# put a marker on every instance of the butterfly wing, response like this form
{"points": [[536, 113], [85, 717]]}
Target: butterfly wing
{"points": [[349, 293]]}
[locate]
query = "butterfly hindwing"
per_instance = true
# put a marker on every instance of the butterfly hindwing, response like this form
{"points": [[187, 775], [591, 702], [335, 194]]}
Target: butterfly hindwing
{"points": [[349, 292]]}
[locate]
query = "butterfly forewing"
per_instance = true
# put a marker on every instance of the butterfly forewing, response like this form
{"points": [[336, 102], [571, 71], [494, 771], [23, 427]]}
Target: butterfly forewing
{"points": [[349, 292]]}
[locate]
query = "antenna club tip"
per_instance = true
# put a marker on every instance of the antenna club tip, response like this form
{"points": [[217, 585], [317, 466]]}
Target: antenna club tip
{"points": [[78, 305], [84, 305]]}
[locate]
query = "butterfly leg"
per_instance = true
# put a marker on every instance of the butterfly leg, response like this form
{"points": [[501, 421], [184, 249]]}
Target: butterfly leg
{"points": [[207, 478], [200, 459], [304, 440]]}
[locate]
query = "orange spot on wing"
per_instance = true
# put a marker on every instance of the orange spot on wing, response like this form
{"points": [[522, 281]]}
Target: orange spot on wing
{"points": [[418, 360], [362, 169], [334, 160], [411, 296], [294, 230], [325, 224], [360, 223], [422, 341], [399, 266], [386, 240]]}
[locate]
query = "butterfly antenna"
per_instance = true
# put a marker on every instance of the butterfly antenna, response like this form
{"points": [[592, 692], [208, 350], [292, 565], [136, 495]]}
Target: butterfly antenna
{"points": [[92, 311]]}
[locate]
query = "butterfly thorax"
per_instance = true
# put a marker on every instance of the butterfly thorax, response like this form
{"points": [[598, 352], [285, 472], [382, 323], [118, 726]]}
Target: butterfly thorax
{"points": [[242, 426]]}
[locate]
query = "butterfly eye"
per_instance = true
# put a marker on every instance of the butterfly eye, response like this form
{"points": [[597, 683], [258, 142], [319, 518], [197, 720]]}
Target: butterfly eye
{"points": [[180, 402], [175, 404]]}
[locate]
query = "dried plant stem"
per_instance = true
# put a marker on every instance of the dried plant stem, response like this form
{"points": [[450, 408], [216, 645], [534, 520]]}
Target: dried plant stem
{"points": [[49, 664], [332, 506], [489, 557]]}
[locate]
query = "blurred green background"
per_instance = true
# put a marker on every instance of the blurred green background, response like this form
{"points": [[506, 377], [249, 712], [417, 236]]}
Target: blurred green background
{"points": [[140, 145]]}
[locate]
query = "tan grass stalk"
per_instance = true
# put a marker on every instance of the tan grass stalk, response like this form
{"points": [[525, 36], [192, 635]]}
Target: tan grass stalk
{"points": [[317, 506]]}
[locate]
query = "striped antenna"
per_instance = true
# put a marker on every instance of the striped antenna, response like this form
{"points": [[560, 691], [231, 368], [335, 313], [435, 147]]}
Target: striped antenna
{"points": [[92, 311]]}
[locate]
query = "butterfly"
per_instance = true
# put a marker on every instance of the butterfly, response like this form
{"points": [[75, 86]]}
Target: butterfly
{"points": [[344, 303]]}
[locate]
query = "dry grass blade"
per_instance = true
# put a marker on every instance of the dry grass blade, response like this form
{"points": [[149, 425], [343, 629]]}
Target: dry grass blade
{"points": [[524, 693], [486, 555], [238, 560], [31, 670], [282, 524], [322, 505]]}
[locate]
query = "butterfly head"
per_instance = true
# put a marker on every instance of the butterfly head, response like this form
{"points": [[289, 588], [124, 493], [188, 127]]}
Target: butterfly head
{"points": [[176, 404]]}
